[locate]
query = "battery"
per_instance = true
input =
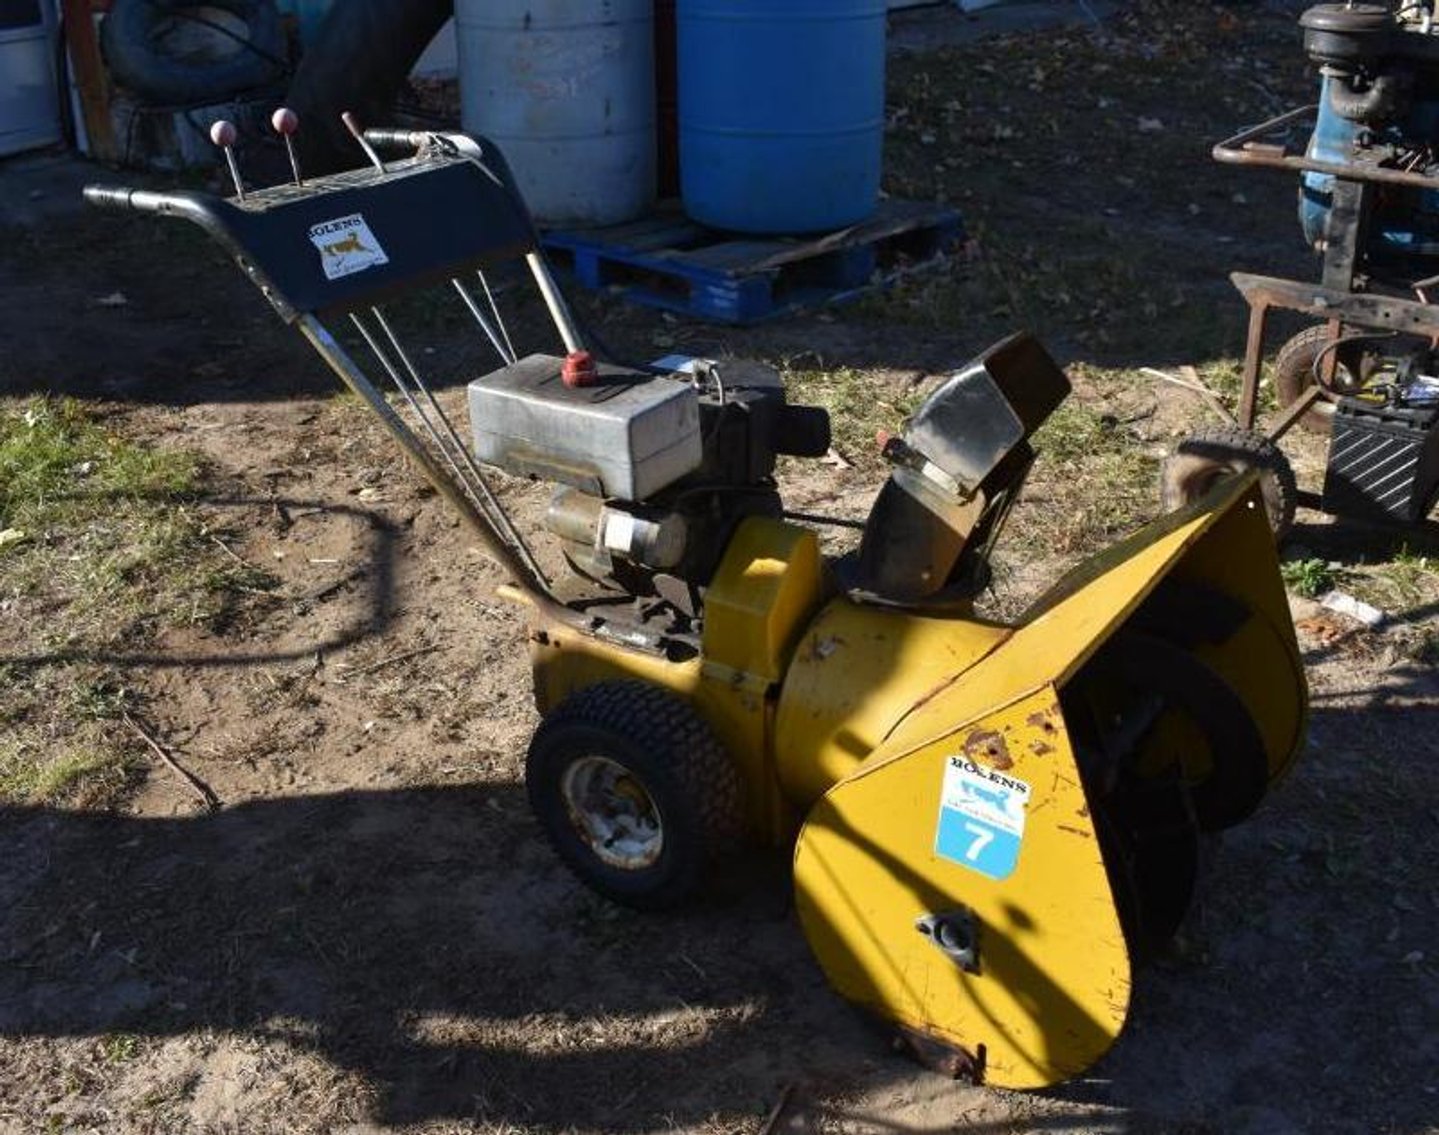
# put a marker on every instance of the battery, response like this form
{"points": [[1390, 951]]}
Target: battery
{"points": [[1383, 461]]}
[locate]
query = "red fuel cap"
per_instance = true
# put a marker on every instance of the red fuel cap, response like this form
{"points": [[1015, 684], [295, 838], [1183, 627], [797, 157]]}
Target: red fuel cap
{"points": [[579, 369]]}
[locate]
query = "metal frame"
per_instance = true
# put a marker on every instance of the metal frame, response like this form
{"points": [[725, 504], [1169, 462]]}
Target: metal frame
{"points": [[1264, 293], [1249, 148], [1339, 298], [1335, 299], [253, 226]]}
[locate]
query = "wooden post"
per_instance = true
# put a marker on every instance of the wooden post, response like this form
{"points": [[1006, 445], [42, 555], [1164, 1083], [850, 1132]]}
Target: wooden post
{"points": [[90, 78]]}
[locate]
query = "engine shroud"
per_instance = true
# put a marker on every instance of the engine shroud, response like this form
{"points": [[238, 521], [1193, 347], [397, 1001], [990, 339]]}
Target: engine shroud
{"points": [[656, 469]]}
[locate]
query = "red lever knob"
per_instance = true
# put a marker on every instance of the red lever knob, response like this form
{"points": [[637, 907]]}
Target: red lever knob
{"points": [[579, 369]]}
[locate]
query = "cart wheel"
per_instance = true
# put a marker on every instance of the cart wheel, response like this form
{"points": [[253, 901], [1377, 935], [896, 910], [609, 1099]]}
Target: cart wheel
{"points": [[1205, 456], [1294, 374], [634, 792]]}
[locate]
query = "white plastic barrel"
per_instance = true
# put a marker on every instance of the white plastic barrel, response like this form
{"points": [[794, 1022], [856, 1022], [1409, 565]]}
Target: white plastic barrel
{"points": [[565, 88]]}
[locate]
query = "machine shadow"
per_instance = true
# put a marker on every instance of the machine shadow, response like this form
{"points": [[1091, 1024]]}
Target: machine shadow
{"points": [[372, 578], [1298, 962], [427, 940]]}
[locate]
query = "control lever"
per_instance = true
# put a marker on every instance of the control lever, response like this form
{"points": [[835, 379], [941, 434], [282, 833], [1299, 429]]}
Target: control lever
{"points": [[352, 124], [286, 123], [393, 139], [223, 134]]}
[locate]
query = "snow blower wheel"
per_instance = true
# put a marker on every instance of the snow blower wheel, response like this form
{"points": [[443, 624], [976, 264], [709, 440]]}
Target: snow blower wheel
{"points": [[634, 792], [1203, 458]]}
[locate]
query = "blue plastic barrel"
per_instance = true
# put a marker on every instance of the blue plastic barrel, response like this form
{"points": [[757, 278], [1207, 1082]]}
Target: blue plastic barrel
{"points": [[781, 110], [566, 90]]}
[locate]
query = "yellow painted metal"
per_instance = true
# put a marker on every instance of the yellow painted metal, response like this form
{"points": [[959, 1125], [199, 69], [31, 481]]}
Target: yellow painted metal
{"points": [[1262, 660], [877, 703], [1070, 622], [734, 705], [767, 587], [1052, 989], [857, 671]]}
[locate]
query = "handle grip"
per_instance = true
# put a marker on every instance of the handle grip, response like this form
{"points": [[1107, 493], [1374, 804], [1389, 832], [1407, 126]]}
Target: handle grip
{"points": [[392, 139], [124, 197]]}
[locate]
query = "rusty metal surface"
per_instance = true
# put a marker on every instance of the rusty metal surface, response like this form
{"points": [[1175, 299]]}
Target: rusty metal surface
{"points": [[1344, 230], [1360, 309], [1253, 354], [939, 1056], [1365, 309], [1297, 409], [1248, 148]]}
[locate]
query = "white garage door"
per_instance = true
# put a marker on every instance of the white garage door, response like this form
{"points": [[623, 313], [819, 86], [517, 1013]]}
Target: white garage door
{"points": [[28, 113]]}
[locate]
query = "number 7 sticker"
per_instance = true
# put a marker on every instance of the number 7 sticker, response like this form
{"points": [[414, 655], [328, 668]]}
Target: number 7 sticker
{"points": [[982, 838], [981, 818]]}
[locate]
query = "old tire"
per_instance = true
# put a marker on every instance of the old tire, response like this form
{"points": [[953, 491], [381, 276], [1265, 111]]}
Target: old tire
{"points": [[1205, 456], [133, 39], [359, 62], [634, 792], [1294, 374]]}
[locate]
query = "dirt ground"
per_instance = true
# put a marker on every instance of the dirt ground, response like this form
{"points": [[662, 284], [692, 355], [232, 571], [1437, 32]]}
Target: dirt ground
{"points": [[369, 934]]}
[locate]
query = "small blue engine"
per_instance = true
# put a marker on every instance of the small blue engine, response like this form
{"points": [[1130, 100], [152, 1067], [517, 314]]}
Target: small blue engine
{"points": [[1379, 102]]}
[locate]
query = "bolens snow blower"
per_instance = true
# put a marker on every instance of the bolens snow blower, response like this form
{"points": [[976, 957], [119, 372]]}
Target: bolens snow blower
{"points": [[991, 823]]}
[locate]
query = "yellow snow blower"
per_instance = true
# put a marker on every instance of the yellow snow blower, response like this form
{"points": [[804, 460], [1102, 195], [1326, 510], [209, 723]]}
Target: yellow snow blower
{"points": [[991, 823]]}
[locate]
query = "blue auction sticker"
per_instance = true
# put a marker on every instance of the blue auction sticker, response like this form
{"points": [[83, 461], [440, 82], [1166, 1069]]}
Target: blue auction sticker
{"points": [[981, 818]]}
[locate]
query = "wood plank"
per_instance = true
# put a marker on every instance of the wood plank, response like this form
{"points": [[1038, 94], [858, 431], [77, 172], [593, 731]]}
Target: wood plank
{"points": [[90, 79], [663, 230], [735, 256], [891, 219]]}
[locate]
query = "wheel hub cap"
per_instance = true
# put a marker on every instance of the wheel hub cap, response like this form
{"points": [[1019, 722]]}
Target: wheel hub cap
{"points": [[612, 813]]}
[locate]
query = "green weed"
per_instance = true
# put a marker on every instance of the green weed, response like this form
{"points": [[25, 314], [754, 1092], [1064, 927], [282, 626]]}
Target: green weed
{"points": [[118, 1048], [58, 462], [1308, 578]]}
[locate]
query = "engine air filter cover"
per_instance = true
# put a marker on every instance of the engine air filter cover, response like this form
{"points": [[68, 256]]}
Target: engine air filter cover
{"points": [[627, 436], [1346, 36]]}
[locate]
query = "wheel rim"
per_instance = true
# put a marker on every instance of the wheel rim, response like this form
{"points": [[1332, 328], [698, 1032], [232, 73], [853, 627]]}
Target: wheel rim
{"points": [[613, 813]]}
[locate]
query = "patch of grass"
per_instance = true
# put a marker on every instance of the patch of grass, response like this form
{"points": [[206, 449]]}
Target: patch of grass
{"points": [[112, 541], [94, 776], [58, 462], [1412, 578], [27, 778], [113, 545], [118, 1048], [1405, 584], [1309, 578], [859, 404], [60, 745], [1100, 458], [1092, 482], [1225, 377]]}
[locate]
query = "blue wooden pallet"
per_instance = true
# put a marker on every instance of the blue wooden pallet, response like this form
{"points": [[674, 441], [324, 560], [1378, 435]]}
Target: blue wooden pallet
{"points": [[670, 262]]}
